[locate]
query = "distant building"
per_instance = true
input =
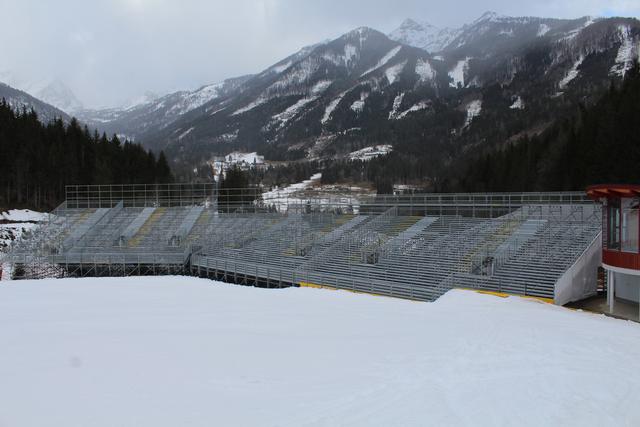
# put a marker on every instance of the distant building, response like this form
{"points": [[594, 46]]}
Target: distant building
{"points": [[620, 238]]}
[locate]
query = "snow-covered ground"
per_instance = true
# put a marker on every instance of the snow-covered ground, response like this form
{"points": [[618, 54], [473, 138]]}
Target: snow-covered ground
{"points": [[14, 223], [178, 351], [22, 215], [282, 197], [328, 196]]}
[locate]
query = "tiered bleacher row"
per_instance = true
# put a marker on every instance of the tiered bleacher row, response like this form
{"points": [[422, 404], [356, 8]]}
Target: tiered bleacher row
{"points": [[415, 249]]}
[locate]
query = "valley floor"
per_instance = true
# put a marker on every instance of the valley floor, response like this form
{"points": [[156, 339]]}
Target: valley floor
{"points": [[179, 351]]}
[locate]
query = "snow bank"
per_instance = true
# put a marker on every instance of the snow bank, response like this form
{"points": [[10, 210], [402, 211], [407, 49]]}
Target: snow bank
{"points": [[282, 197], [177, 351], [23, 215]]}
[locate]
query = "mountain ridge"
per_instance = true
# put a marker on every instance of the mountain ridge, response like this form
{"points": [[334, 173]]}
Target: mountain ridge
{"points": [[497, 77]]}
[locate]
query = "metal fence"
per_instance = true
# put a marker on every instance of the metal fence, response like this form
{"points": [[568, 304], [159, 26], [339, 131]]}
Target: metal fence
{"points": [[259, 199]]}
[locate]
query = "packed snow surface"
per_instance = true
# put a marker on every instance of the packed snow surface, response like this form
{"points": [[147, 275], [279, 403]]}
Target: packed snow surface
{"points": [[178, 351]]}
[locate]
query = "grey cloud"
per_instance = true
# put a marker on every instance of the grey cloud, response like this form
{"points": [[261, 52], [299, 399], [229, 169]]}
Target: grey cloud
{"points": [[110, 50]]}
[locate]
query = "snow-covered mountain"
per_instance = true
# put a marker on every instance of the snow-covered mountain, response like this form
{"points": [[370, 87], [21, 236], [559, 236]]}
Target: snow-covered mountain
{"points": [[50, 91], [19, 100], [424, 35], [151, 113], [489, 81], [59, 95]]}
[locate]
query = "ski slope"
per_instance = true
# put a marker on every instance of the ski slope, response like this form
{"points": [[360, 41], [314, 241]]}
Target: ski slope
{"points": [[178, 351]]}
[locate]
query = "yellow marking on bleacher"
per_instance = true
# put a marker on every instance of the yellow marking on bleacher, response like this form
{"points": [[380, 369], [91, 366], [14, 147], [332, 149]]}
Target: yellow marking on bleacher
{"points": [[153, 218], [316, 286], [507, 295], [490, 244], [333, 288]]}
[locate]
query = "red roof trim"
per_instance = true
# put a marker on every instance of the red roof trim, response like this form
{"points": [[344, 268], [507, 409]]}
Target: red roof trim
{"points": [[613, 190]]}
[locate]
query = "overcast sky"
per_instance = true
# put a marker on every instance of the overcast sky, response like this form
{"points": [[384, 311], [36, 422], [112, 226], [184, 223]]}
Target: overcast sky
{"points": [[109, 51]]}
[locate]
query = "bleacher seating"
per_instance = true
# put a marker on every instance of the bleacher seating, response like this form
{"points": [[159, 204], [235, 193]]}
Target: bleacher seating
{"points": [[525, 251]]}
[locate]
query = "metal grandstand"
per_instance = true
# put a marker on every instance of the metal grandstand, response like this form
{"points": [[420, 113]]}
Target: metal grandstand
{"points": [[416, 246]]}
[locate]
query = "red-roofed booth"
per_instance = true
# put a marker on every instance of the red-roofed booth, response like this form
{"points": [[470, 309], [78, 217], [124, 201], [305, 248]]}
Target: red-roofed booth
{"points": [[620, 239]]}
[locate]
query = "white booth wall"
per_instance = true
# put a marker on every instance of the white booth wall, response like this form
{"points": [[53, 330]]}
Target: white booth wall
{"points": [[627, 287]]}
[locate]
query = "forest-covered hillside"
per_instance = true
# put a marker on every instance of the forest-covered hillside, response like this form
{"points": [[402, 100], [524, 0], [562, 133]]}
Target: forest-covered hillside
{"points": [[38, 160], [599, 144]]}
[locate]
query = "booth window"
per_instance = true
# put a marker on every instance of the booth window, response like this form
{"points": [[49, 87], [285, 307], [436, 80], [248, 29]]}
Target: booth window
{"points": [[629, 211], [613, 224]]}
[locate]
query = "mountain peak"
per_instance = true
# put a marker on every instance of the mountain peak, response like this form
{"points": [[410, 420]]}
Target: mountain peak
{"points": [[410, 23], [423, 35], [489, 16]]}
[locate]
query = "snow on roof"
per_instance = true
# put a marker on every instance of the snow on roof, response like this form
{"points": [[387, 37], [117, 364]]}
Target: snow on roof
{"points": [[172, 351], [237, 157]]}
